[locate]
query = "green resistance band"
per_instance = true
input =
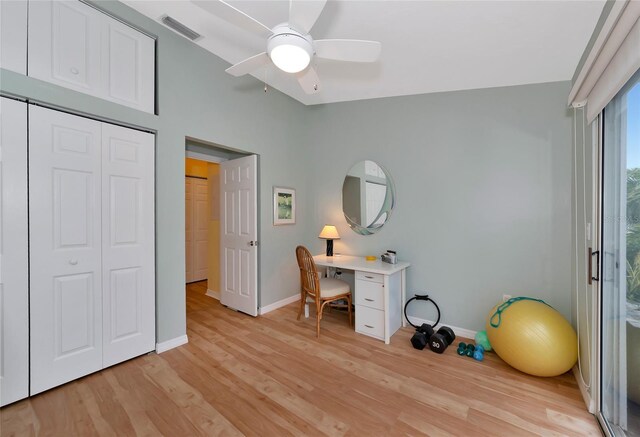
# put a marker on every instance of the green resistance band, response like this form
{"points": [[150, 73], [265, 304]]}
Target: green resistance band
{"points": [[507, 304]]}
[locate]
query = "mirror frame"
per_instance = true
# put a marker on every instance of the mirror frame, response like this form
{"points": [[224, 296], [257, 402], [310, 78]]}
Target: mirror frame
{"points": [[387, 206]]}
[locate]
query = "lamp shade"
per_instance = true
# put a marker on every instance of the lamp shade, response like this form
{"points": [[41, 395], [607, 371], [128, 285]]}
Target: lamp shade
{"points": [[329, 232]]}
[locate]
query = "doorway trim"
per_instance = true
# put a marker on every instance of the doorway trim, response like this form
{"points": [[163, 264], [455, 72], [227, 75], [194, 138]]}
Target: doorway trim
{"points": [[213, 154], [204, 157]]}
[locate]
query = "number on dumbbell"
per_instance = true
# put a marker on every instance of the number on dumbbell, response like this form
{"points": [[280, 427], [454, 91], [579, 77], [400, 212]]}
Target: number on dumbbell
{"points": [[441, 339]]}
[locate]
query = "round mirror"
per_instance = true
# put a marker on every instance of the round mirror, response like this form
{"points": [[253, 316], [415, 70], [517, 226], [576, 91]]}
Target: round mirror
{"points": [[367, 197]]}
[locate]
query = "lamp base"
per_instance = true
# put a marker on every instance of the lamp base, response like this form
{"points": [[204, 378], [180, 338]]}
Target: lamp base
{"points": [[329, 247]]}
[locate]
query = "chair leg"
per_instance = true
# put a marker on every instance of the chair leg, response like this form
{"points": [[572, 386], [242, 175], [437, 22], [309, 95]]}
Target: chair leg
{"points": [[303, 299], [319, 310], [318, 317], [349, 303]]}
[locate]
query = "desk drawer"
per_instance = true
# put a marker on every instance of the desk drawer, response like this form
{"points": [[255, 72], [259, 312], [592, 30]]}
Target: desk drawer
{"points": [[370, 321], [370, 294], [373, 277]]}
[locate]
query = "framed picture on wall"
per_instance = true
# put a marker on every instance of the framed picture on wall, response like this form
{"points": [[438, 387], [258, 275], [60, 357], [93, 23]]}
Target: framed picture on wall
{"points": [[284, 206]]}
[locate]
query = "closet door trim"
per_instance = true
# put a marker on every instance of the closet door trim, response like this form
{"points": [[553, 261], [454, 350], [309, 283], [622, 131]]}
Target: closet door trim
{"points": [[14, 257]]}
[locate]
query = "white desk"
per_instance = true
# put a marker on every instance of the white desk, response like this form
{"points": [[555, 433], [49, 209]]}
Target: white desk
{"points": [[379, 293]]}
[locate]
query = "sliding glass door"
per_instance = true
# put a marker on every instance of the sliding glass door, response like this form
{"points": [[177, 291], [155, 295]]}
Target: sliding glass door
{"points": [[619, 409]]}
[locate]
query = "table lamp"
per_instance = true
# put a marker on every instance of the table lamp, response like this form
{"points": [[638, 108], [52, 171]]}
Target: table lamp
{"points": [[329, 233]]}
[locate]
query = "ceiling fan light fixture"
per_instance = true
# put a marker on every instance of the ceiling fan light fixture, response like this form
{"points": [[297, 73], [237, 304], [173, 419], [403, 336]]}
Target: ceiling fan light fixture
{"points": [[290, 58], [290, 52]]}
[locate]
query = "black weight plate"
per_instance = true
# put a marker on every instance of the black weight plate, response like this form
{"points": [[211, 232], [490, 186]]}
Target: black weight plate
{"points": [[426, 329], [419, 340], [437, 343], [448, 334]]}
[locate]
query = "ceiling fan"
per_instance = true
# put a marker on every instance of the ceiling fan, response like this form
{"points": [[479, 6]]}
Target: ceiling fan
{"points": [[289, 45]]}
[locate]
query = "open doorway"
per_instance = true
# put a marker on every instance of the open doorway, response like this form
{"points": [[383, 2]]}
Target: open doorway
{"points": [[221, 225]]}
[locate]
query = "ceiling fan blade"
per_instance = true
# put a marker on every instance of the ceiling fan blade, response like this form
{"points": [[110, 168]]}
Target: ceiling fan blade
{"points": [[309, 81], [249, 65], [352, 50], [304, 13], [234, 16]]}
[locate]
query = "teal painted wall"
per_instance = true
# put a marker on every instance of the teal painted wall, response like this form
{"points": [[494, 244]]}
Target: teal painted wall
{"points": [[197, 99], [483, 177], [483, 180]]}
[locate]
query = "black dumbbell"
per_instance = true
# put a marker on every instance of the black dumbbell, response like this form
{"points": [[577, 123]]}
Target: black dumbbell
{"points": [[441, 340], [422, 335]]}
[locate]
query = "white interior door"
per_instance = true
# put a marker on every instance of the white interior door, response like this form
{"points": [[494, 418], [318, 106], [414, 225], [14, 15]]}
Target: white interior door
{"points": [[128, 65], [188, 228], [77, 46], [14, 262], [196, 229], [200, 229], [65, 247], [238, 240], [128, 263], [65, 45], [13, 35]]}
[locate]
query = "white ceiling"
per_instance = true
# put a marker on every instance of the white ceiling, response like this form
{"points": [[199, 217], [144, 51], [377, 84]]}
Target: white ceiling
{"points": [[427, 46]]}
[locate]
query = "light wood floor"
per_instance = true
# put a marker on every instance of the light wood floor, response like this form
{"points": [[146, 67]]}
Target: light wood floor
{"points": [[270, 377]]}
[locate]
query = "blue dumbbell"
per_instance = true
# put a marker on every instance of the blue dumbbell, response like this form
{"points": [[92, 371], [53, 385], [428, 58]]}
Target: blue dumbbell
{"points": [[462, 348], [478, 354]]}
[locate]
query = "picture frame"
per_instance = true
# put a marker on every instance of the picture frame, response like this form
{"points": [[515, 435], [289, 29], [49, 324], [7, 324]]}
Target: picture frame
{"points": [[284, 206]]}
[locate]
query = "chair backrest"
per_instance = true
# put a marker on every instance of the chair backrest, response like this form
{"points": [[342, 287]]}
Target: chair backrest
{"points": [[309, 279]]}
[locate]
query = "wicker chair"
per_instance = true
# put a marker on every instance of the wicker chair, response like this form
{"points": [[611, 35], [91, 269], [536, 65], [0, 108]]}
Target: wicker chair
{"points": [[321, 291]]}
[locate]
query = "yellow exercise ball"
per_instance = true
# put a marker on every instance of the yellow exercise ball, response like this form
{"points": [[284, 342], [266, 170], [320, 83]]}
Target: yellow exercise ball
{"points": [[533, 337]]}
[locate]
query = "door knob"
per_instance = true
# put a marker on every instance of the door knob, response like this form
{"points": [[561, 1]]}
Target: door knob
{"points": [[74, 70], [253, 243], [73, 262]]}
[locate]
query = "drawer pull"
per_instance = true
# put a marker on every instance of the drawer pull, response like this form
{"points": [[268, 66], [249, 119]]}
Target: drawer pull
{"points": [[368, 277], [368, 300], [369, 326]]}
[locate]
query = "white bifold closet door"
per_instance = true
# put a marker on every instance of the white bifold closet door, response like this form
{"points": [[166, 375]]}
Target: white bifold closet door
{"points": [[66, 259], [128, 243], [91, 246], [14, 275], [13, 35]]}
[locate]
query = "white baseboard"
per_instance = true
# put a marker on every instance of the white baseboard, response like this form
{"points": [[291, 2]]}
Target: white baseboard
{"points": [[279, 304], [170, 344], [588, 401], [460, 332], [213, 294]]}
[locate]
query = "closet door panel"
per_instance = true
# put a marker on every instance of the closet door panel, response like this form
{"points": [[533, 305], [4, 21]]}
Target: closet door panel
{"points": [[128, 58], [13, 35], [64, 45], [200, 229], [128, 243], [14, 291], [76, 46], [188, 231], [65, 247]]}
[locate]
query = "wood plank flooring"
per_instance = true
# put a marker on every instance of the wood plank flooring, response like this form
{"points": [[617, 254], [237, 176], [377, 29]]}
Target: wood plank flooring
{"points": [[270, 376]]}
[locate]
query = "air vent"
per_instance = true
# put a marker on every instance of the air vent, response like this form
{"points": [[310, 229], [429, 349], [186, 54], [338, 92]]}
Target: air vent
{"points": [[180, 28]]}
